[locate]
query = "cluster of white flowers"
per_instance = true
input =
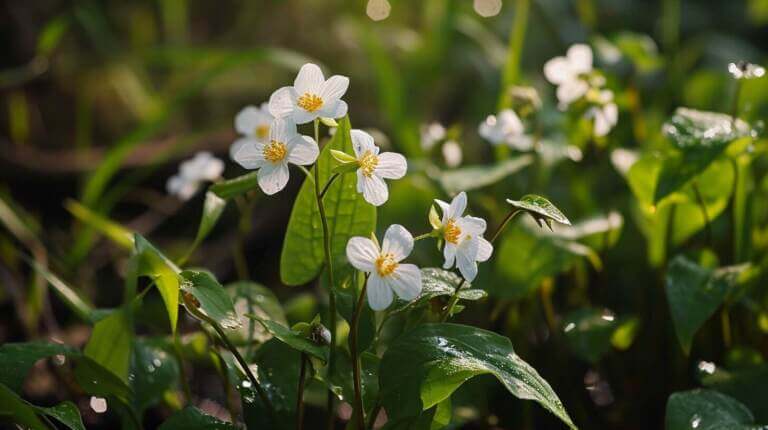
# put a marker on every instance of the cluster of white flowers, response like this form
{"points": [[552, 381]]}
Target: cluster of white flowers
{"points": [[192, 173], [576, 80], [434, 133], [505, 129]]}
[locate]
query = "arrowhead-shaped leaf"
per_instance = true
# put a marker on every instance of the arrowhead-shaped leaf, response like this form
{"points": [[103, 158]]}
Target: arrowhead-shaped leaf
{"points": [[541, 209]]}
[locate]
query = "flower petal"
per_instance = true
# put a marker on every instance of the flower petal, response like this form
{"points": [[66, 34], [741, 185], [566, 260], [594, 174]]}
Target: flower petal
{"points": [[333, 109], [251, 155], [334, 88], [282, 102], [374, 189], [300, 116], [247, 120], [443, 209], [362, 142], [236, 145], [309, 80], [282, 130], [362, 253], [273, 177], [580, 58], [302, 150], [449, 253], [397, 241], [557, 70], [484, 250], [405, 281], [569, 91], [458, 206], [473, 225], [379, 293], [391, 165], [466, 257]]}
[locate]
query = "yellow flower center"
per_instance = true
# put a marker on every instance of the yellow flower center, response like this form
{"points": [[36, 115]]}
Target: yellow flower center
{"points": [[274, 151], [262, 131], [310, 102], [368, 163], [386, 264], [451, 232]]}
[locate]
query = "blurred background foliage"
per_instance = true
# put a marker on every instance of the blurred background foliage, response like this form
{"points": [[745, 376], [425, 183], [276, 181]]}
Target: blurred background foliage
{"points": [[101, 99]]}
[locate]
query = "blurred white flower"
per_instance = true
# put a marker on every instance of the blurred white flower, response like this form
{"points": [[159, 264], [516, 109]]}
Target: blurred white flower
{"points": [[452, 153], [285, 145], [378, 10], [253, 124], [465, 245], [375, 167], [569, 73], [605, 118], [505, 128], [192, 173], [386, 273], [745, 70], [310, 97], [431, 134], [487, 8]]}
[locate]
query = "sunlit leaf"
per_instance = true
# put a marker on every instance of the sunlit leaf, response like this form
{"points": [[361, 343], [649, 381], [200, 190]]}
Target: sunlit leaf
{"points": [[541, 209], [348, 215], [436, 282], [706, 410], [111, 342], [424, 366], [474, 177], [212, 298], [112, 230], [163, 272]]}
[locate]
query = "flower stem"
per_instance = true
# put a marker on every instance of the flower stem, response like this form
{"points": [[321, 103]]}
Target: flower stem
{"points": [[358, 412], [423, 236], [329, 267], [328, 184], [300, 396]]}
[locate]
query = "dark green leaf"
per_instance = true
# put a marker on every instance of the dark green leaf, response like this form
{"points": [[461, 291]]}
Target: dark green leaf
{"points": [[66, 413], [295, 340], [250, 298], [706, 410], [589, 331], [748, 385], [155, 371], [347, 212], [369, 380], [541, 209], [212, 297], [22, 356], [474, 177], [98, 381], [237, 186], [423, 367], [278, 366], [191, 418], [14, 410], [694, 294]]}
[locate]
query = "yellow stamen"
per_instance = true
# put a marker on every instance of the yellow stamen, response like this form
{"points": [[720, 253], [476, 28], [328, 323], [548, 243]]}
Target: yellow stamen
{"points": [[310, 102], [368, 163], [386, 264], [451, 232], [262, 131], [274, 151]]}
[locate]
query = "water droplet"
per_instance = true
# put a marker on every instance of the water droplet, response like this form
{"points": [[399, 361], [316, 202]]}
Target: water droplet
{"points": [[570, 326], [99, 404], [707, 367], [695, 421], [247, 384], [157, 362]]}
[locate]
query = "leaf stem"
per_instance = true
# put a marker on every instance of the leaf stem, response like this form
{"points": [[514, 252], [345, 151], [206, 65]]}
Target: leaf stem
{"points": [[423, 236], [329, 265], [300, 396], [358, 411], [328, 184]]}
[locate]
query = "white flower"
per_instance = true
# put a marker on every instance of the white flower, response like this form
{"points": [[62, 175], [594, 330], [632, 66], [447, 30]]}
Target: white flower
{"points": [[452, 153], [193, 172], [568, 73], [375, 167], [253, 124], [505, 128], [310, 97], [387, 274], [271, 157], [745, 70], [465, 245], [431, 134], [605, 113]]}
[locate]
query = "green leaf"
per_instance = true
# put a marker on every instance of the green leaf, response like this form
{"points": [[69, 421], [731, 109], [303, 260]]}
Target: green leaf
{"points": [[474, 177], [212, 210], [213, 298], [22, 356], [706, 410], [436, 282], [237, 186], [66, 413], [541, 209], [748, 385], [423, 367], [96, 380], [250, 298], [295, 340], [369, 377], [17, 411], [191, 418], [164, 273], [155, 371], [588, 332], [115, 232], [694, 293], [111, 342], [278, 366], [67, 294], [347, 212]]}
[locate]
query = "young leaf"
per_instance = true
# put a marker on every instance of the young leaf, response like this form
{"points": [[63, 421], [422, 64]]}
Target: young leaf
{"points": [[706, 410], [694, 293], [347, 212], [541, 209], [474, 177], [212, 297], [295, 340], [154, 264], [424, 367], [191, 418], [22, 356], [212, 210], [235, 187], [110, 343]]}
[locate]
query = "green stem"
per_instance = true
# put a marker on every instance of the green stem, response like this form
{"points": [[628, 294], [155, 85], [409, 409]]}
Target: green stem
{"points": [[358, 411], [423, 236], [331, 283], [328, 184], [703, 207], [300, 396]]}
